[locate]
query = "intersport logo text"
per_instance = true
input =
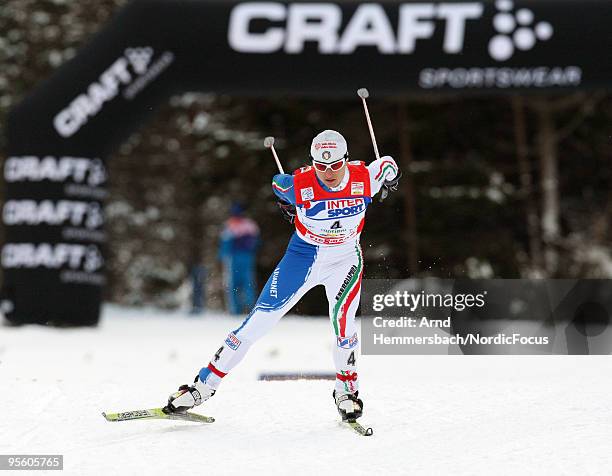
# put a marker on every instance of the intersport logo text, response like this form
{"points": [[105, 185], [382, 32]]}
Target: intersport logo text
{"points": [[369, 25]]}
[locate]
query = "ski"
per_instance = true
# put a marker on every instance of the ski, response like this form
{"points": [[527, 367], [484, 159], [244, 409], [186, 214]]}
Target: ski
{"points": [[363, 431], [156, 413]]}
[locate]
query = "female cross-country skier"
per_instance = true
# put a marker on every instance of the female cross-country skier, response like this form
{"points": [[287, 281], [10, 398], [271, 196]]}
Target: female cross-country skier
{"points": [[327, 202]]}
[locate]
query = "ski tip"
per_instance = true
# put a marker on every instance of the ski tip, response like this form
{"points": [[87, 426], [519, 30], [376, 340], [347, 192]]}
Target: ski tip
{"points": [[196, 417], [110, 416], [362, 430]]}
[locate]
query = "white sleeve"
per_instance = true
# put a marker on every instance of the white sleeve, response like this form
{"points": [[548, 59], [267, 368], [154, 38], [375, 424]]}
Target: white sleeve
{"points": [[380, 170]]}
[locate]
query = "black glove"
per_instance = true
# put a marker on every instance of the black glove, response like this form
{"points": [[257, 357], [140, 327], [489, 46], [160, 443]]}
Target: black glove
{"points": [[287, 209], [390, 186]]}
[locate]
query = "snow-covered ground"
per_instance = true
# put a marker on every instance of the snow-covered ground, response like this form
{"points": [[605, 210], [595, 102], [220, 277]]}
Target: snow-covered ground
{"points": [[431, 414]]}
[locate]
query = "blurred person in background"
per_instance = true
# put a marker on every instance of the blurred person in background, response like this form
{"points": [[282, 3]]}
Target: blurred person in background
{"points": [[238, 245]]}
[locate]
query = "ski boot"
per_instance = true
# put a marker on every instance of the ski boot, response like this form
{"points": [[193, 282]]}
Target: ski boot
{"points": [[188, 397], [349, 406]]}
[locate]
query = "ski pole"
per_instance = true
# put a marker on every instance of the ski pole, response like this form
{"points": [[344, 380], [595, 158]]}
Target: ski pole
{"points": [[363, 94], [269, 143]]}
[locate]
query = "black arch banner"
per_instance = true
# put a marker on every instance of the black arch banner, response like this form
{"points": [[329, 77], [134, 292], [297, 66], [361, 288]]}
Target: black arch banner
{"points": [[60, 135]]}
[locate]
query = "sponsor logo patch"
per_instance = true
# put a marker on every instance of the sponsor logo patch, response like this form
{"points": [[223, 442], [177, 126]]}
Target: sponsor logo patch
{"points": [[327, 209], [196, 396], [47, 212], [233, 342], [52, 256], [78, 170], [307, 193], [346, 281], [348, 342], [357, 188], [129, 74], [325, 145], [447, 27], [314, 210], [134, 414], [274, 284]]}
